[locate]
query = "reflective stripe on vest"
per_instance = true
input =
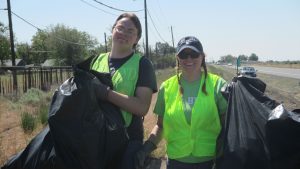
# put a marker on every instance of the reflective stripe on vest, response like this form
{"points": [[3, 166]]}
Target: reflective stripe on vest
{"points": [[124, 79], [198, 138]]}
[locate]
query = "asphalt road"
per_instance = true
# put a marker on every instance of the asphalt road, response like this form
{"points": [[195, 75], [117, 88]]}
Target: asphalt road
{"points": [[285, 72]]}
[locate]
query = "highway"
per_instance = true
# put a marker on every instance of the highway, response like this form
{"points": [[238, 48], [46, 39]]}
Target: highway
{"points": [[285, 72]]}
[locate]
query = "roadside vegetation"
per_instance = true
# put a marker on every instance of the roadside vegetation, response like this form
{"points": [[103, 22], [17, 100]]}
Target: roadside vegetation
{"points": [[281, 64], [39, 102]]}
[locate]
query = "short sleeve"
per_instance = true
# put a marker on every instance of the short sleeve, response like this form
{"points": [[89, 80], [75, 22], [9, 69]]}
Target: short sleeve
{"points": [[159, 108], [147, 77], [219, 98]]}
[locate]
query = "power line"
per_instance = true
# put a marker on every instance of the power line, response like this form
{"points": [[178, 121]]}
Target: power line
{"points": [[155, 27], [155, 37], [161, 11], [121, 10], [97, 8], [155, 16], [75, 43], [26, 21]]}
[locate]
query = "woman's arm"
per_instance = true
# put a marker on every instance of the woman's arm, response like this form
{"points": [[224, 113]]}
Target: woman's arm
{"points": [[156, 133], [138, 104]]}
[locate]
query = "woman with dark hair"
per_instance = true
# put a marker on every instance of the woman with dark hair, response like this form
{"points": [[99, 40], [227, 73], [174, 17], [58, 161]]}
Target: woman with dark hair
{"points": [[133, 79], [189, 106]]}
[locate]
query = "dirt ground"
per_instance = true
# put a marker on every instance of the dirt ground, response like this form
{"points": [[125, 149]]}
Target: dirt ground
{"points": [[13, 139]]}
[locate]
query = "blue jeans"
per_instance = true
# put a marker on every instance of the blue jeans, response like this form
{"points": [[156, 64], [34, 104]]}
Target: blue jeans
{"points": [[174, 164]]}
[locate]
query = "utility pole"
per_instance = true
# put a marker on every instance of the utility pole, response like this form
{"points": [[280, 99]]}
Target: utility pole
{"points": [[105, 42], [172, 36], [12, 47], [146, 28]]}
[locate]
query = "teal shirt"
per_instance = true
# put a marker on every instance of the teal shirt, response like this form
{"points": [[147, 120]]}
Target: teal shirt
{"points": [[189, 96]]}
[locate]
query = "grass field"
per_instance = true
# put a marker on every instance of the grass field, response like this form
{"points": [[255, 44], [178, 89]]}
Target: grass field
{"points": [[281, 65]]}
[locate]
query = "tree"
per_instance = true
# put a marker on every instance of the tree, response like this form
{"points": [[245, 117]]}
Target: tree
{"points": [[163, 49], [23, 50], [4, 45], [162, 55], [67, 45], [253, 57], [39, 48], [243, 57], [75, 46], [97, 50], [228, 59]]}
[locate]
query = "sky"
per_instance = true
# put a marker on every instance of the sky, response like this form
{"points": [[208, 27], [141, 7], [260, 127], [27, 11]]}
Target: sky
{"points": [[268, 28]]}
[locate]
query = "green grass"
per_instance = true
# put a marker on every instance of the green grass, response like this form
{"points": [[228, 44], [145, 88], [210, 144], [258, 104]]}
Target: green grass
{"points": [[164, 74], [226, 74]]}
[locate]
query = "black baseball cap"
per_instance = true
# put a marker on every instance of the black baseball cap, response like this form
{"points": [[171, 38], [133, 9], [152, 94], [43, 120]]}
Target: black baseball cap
{"points": [[190, 42]]}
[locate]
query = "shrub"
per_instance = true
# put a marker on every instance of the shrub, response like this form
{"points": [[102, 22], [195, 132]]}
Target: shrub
{"points": [[43, 114], [33, 96], [28, 122]]}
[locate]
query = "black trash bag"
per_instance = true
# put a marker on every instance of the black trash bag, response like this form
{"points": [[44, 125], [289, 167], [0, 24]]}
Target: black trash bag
{"points": [[38, 154], [244, 136], [283, 133], [87, 134], [84, 133]]}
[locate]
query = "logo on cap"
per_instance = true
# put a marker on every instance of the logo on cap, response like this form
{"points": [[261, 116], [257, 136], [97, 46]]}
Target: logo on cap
{"points": [[190, 42]]}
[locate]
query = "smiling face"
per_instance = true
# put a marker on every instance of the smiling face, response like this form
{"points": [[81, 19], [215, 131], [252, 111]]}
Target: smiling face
{"points": [[190, 64], [124, 34]]}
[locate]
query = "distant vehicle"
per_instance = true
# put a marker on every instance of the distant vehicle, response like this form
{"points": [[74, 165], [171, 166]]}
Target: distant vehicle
{"points": [[248, 71]]}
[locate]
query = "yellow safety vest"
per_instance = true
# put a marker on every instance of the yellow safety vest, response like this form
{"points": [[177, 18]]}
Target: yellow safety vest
{"points": [[198, 138], [124, 79]]}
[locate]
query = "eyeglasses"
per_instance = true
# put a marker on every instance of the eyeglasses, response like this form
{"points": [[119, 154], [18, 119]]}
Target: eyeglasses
{"points": [[186, 54], [121, 29]]}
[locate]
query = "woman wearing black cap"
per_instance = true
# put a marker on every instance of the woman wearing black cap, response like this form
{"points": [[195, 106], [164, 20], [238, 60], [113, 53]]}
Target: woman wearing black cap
{"points": [[189, 106]]}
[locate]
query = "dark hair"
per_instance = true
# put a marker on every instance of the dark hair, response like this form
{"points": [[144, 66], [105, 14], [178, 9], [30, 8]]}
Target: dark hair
{"points": [[205, 75], [135, 21]]}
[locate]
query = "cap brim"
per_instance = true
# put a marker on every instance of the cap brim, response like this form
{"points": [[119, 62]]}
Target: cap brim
{"points": [[189, 47]]}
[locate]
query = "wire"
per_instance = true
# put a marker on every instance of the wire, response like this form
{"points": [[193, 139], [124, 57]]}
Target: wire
{"points": [[117, 8], [154, 33], [75, 43], [97, 8], [26, 21], [161, 11], [155, 27]]}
